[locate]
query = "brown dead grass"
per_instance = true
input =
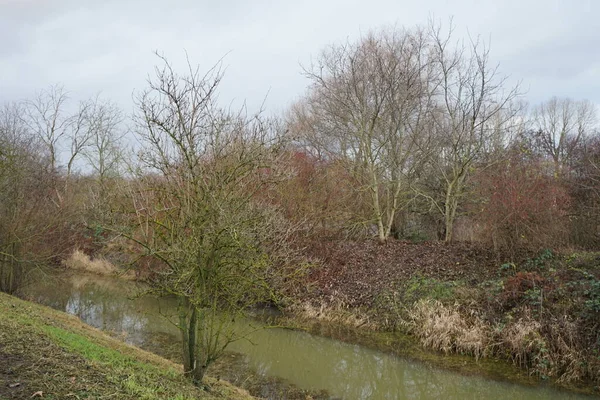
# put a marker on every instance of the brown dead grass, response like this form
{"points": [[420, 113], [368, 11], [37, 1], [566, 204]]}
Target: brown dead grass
{"points": [[336, 313], [569, 359], [523, 340], [80, 261], [443, 328], [549, 349]]}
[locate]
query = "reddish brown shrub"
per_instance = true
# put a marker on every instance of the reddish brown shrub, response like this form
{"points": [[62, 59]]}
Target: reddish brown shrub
{"points": [[522, 206], [320, 194], [516, 286]]}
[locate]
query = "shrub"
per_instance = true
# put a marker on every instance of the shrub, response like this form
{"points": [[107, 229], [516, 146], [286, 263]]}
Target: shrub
{"points": [[518, 286], [522, 207]]}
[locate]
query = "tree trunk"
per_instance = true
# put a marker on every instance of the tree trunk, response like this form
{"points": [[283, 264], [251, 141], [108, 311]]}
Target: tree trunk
{"points": [[449, 227], [199, 372], [187, 326], [192, 329], [381, 231], [193, 367], [453, 194], [393, 209], [449, 212]]}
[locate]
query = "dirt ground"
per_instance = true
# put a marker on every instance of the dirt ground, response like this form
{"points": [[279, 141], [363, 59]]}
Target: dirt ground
{"points": [[356, 271], [26, 374]]}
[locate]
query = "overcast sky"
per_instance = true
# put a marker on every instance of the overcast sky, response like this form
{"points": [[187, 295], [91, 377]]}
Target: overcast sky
{"points": [[552, 46]]}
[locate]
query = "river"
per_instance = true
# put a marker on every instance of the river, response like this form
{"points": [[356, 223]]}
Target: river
{"points": [[274, 359]]}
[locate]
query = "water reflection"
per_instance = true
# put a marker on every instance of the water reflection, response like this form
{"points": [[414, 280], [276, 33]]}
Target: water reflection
{"points": [[311, 362]]}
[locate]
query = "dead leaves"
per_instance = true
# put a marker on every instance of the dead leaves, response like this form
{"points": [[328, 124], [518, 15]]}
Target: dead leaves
{"points": [[356, 272]]}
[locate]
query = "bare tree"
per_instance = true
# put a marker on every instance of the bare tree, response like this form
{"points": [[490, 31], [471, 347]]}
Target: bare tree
{"points": [[103, 149], [194, 209], [472, 109], [560, 125], [79, 135], [24, 200], [366, 105], [46, 117]]}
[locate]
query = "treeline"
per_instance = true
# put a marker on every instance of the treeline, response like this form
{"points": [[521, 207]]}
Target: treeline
{"points": [[434, 143], [404, 133]]}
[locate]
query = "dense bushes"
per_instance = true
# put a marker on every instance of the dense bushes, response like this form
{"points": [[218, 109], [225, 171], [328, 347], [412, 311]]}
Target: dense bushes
{"points": [[521, 207]]}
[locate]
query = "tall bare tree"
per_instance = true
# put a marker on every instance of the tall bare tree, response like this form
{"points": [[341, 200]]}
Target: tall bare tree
{"points": [[194, 209], [24, 199], [79, 136], [46, 116], [472, 107], [103, 150], [366, 105]]}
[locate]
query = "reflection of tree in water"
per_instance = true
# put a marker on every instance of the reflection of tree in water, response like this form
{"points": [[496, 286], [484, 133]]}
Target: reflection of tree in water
{"points": [[100, 302], [95, 306], [237, 369]]}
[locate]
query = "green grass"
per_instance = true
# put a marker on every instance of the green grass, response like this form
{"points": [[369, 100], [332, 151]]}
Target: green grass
{"points": [[43, 350]]}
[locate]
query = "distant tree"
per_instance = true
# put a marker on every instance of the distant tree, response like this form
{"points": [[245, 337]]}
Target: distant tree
{"points": [[319, 195], [473, 107], [520, 206], [104, 147], [560, 125], [583, 181], [25, 198], [78, 135], [92, 131], [46, 117]]}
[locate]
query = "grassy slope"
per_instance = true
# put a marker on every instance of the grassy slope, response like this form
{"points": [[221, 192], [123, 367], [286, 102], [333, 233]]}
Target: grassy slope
{"points": [[47, 351]]}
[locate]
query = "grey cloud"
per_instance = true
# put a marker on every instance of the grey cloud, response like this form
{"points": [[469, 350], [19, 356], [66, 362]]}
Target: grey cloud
{"points": [[107, 46]]}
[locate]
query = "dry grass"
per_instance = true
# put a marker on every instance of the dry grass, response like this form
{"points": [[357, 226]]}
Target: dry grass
{"points": [[443, 328], [551, 349], [523, 341], [80, 261], [336, 313], [569, 361]]}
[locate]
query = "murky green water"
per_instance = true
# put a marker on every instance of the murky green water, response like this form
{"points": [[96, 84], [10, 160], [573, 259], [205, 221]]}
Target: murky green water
{"points": [[309, 362]]}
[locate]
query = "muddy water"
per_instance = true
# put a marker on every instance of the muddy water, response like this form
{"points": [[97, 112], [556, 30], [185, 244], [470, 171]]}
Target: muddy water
{"points": [[272, 356]]}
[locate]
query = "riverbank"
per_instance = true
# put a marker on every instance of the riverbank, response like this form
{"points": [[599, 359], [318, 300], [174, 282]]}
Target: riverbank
{"points": [[290, 363], [458, 307], [542, 313], [49, 354]]}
